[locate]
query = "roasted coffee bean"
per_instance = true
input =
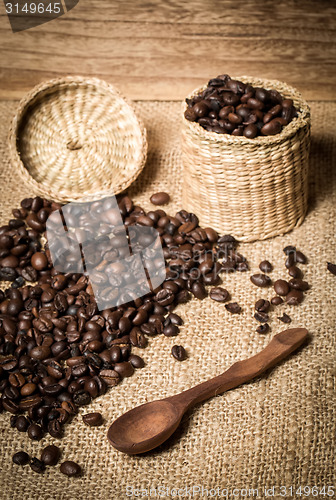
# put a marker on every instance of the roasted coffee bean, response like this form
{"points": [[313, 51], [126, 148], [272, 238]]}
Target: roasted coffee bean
{"points": [[262, 317], [295, 272], [276, 301], [331, 268], [136, 361], [39, 261], [55, 429], [110, 377], [171, 330], [124, 369], [198, 290], [175, 319], [37, 465], [160, 198], [21, 423], [233, 308], [261, 280], [262, 305], [20, 458], [294, 297], [263, 328], [289, 249], [29, 274], [285, 318], [281, 287], [265, 266], [35, 432], [93, 419], [81, 398], [70, 468], [298, 284], [300, 257], [40, 353], [16, 379], [179, 352], [219, 294], [7, 274], [50, 455]]}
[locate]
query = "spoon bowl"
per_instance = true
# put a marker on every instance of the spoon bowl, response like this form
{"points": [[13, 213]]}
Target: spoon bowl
{"points": [[144, 427]]}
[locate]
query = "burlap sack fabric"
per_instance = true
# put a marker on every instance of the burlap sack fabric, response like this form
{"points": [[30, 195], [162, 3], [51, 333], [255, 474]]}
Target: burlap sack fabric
{"points": [[278, 430]]}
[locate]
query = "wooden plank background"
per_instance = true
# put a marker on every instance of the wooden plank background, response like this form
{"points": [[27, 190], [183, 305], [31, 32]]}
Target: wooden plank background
{"points": [[162, 49]]}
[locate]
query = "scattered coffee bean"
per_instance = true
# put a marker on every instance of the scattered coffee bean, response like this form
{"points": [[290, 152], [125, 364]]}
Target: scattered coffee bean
{"points": [[37, 465], [50, 455], [300, 257], [289, 249], [262, 317], [276, 301], [179, 352], [93, 419], [264, 328], [265, 266], [285, 318], [35, 432], [39, 261], [295, 272], [219, 294], [294, 297], [70, 468], [233, 308], [298, 284], [281, 287], [262, 305], [331, 268], [261, 280], [20, 458], [160, 198]]}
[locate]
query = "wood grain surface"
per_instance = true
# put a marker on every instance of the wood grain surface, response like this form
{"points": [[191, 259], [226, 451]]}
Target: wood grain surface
{"points": [[163, 49]]}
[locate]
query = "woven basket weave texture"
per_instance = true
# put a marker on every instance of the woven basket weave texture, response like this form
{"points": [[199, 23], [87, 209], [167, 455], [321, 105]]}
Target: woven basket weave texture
{"points": [[251, 188], [77, 139]]}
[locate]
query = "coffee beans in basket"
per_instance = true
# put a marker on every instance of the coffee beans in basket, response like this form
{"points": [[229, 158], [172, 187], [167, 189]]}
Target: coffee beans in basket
{"points": [[228, 106]]}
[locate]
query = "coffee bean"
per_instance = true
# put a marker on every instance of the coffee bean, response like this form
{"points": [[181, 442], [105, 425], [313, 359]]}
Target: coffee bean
{"points": [[233, 308], [55, 428], [281, 287], [110, 377], [276, 301], [171, 330], [29, 274], [93, 419], [160, 198], [295, 272], [331, 268], [39, 261], [289, 249], [219, 294], [70, 468], [263, 328], [40, 353], [179, 352], [262, 317], [124, 369], [261, 280], [262, 305], [136, 361], [265, 266], [7, 274], [20, 458], [198, 290], [285, 318], [37, 465], [35, 432], [294, 297], [300, 257], [298, 284], [21, 423], [50, 455]]}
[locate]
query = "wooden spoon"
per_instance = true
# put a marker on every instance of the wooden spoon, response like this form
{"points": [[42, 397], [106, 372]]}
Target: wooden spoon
{"points": [[149, 425]]}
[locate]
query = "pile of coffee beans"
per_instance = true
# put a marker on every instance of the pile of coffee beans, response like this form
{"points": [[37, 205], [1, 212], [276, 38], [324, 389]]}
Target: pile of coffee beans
{"points": [[291, 290], [57, 351], [229, 106]]}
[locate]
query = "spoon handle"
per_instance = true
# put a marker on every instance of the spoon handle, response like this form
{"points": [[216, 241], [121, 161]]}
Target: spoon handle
{"points": [[282, 344]]}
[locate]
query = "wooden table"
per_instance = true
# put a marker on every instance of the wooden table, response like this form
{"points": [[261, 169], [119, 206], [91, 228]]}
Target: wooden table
{"points": [[162, 49]]}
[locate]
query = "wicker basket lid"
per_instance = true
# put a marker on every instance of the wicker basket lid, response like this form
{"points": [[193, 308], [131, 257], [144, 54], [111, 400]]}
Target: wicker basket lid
{"points": [[76, 138]]}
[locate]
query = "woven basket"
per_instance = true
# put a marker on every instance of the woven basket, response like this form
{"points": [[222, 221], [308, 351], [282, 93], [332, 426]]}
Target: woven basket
{"points": [[75, 138], [250, 188]]}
